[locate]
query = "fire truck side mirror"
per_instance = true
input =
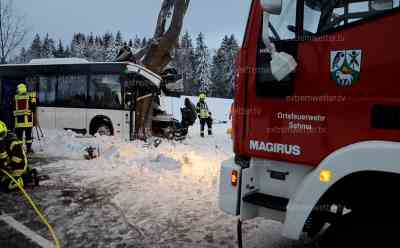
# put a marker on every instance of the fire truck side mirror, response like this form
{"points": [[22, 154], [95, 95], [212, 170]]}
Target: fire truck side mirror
{"points": [[273, 7]]}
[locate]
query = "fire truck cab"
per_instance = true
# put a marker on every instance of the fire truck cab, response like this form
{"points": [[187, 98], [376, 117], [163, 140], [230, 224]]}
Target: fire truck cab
{"points": [[316, 120]]}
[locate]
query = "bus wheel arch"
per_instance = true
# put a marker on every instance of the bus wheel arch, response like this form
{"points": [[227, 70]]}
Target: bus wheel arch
{"points": [[101, 122]]}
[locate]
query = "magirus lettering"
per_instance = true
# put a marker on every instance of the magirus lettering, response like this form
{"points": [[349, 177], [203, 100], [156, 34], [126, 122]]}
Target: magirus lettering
{"points": [[294, 150]]}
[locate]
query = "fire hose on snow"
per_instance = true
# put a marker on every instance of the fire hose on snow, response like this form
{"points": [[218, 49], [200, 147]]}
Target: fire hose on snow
{"points": [[37, 211]]}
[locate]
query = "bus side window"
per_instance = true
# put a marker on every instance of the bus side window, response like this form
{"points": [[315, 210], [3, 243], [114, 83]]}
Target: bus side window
{"points": [[32, 83], [105, 91], [72, 90], [47, 90]]}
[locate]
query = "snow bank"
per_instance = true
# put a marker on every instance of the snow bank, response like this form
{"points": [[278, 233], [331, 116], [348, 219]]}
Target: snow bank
{"points": [[167, 196]]}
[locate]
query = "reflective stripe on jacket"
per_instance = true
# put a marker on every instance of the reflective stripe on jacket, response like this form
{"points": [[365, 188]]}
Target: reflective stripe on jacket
{"points": [[15, 160], [202, 110], [24, 108]]}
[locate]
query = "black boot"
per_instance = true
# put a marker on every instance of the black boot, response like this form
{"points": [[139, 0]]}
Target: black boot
{"points": [[202, 135], [210, 132]]}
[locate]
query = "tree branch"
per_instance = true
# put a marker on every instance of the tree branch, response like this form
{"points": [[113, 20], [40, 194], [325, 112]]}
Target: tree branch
{"points": [[165, 11], [12, 30]]}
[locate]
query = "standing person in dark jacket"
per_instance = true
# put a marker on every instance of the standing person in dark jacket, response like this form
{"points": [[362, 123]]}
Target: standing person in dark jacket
{"points": [[204, 115]]}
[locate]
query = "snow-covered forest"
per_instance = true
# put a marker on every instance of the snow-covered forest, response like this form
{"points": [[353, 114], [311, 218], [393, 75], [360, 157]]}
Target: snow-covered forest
{"points": [[202, 68]]}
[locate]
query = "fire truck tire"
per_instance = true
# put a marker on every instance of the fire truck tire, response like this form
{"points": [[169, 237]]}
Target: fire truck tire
{"points": [[360, 231]]}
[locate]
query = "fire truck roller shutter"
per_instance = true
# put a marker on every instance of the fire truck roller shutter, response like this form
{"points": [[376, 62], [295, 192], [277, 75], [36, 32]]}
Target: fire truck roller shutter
{"points": [[370, 156]]}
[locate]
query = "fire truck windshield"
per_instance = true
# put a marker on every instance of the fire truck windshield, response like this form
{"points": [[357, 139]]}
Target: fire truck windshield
{"points": [[320, 16]]}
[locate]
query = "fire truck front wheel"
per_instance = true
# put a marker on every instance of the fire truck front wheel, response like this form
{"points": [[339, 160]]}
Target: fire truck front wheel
{"points": [[361, 231]]}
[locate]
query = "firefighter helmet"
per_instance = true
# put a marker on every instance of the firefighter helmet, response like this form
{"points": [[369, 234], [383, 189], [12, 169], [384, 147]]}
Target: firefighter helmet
{"points": [[202, 96], [21, 89], [3, 130]]}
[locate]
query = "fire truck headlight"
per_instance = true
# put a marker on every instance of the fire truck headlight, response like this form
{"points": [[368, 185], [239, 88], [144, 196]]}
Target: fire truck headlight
{"points": [[234, 178], [325, 176]]}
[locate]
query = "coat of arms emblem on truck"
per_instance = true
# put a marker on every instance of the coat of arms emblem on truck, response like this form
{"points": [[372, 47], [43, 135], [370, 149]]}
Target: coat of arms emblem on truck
{"points": [[346, 67]]}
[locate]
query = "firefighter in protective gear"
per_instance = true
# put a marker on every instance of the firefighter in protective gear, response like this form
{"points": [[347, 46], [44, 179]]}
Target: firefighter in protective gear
{"points": [[13, 160], [24, 111], [204, 115]]}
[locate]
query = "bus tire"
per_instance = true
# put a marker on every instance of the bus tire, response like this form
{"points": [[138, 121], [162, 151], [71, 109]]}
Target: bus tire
{"points": [[365, 231], [102, 125], [103, 130]]}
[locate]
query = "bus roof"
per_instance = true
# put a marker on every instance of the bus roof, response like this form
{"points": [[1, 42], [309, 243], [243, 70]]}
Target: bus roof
{"points": [[75, 65]]}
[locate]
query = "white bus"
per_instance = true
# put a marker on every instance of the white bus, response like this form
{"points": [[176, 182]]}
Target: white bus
{"points": [[78, 95]]}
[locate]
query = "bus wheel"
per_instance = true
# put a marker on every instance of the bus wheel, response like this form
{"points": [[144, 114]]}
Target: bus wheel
{"points": [[360, 231], [104, 130]]}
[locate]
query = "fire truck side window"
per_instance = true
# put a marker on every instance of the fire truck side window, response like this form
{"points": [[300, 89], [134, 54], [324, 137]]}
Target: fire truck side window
{"points": [[286, 19], [334, 14], [266, 84]]}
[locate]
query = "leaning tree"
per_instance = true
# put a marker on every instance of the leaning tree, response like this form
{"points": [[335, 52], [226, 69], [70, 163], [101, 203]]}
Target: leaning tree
{"points": [[157, 54]]}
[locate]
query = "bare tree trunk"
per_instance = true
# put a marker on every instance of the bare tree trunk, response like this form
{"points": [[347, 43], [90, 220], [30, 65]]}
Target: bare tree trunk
{"points": [[12, 30], [157, 54]]}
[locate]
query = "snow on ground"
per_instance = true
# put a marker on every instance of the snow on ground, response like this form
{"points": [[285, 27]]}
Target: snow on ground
{"points": [[136, 195]]}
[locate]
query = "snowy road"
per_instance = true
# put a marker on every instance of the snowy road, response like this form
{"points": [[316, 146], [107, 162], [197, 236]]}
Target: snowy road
{"points": [[137, 196]]}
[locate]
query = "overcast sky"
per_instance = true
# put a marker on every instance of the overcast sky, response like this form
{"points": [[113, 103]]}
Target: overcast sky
{"points": [[61, 18]]}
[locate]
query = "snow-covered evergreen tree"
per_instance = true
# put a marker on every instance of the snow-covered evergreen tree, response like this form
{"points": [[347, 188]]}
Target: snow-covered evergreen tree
{"points": [[223, 67], [60, 51], [97, 50], [202, 64], [109, 47], [185, 57], [219, 70], [35, 51], [67, 52], [22, 58], [144, 42], [118, 39], [94, 49], [137, 43], [233, 50], [48, 48], [78, 45], [89, 47]]}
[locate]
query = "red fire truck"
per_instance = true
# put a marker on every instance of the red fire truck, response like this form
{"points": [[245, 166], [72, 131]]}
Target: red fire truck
{"points": [[316, 122]]}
